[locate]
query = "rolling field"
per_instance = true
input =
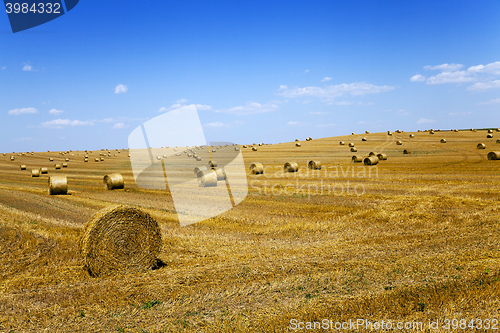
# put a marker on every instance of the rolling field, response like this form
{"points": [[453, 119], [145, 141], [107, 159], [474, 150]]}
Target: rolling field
{"points": [[411, 239]]}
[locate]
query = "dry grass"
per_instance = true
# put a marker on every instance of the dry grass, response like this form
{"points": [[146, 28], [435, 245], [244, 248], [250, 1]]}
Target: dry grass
{"points": [[422, 243]]}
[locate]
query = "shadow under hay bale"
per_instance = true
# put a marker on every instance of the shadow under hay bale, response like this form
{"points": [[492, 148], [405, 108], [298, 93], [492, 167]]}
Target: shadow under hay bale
{"points": [[357, 159], [315, 165], [257, 168], [494, 155], [58, 185], [113, 181], [371, 160], [120, 239], [382, 157], [291, 167]]}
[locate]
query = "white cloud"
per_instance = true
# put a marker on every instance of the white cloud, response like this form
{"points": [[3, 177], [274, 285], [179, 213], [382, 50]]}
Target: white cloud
{"points": [[215, 124], [492, 68], [119, 126], [293, 123], [492, 101], [459, 113], [328, 93], [306, 71], [325, 125], [252, 108], [180, 103], [485, 85], [445, 67], [27, 68], [317, 112], [121, 89], [344, 103], [4, 67], [451, 77], [326, 79], [417, 78], [54, 111], [59, 123], [402, 113], [16, 112], [425, 121]]}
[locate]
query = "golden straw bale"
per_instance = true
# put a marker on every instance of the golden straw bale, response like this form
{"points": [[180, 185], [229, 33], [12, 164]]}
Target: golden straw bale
{"points": [[407, 151], [351, 144], [354, 150], [291, 167], [35, 172], [371, 160], [494, 155], [207, 178], [58, 185], [12, 158], [315, 165], [120, 239], [298, 144], [412, 136], [57, 166], [481, 146], [489, 136], [363, 139], [23, 167], [357, 159], [221, 174], [113, 181], [257, 168], [399, 143], [490, 131], [341, 143], [44, 171], [382, 157], [443, 141], [254, 148], [65, 165], [51, 159]]}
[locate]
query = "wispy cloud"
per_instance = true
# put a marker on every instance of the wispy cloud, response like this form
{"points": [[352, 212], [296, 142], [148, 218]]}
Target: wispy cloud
{"points": [[293, 123], [451, 77], [54, 111], [4, 67], [121, 89], [459, 113], [59, 123], [28, 68], [17, 112], [119, 126], [329, 93], [252, 108], [491, 101], [326, 79], [215, 124], [417, 78], [484, 85], [218, 124], [183, 102], [425, 121], [317, 112], [306, 71], [444, 67]]}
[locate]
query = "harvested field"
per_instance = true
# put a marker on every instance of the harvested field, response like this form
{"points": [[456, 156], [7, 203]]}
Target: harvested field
{"points": [[414, 238]]}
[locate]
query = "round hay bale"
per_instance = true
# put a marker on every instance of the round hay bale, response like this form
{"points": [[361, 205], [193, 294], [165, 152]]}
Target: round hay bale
{"points": [[399, 143], [431, 132], [490, 131], [455, 130], [443, 141], [23, 167], [51, 159], [237, 148], [244, 146], [35, 173], [353, 133], [57, 166], [260, 144], [315, 165], [367, 132], [494, 155], [113, 181], [363, 139], [296, 140], [389, 133], [12, 158], [102, 159], [198, 169], [398, 131], [44, 171], [257, 168], [120, 238], [371, 160], [351, 144], [372, 153], [357, 159], [207, 178], [254, 148], [97, 160], [353, 150], [85, 159], [291, 167], [310, 139], [341, 143], [67, 160], [407, 151], [58, 185], [212, 164], [221, 174], [498, 141], [412, 136], [198, 159], [489, 136], [382, 157], [65, 165], [498, 130], [481, 146], [298, 144]]}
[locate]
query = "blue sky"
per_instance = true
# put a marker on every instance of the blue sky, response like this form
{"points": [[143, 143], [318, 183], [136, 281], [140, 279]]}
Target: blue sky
{"points": [[258, 71]]}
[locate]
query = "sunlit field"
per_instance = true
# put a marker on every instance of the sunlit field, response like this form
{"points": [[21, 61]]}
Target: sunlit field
{"points": [[414, 238]]}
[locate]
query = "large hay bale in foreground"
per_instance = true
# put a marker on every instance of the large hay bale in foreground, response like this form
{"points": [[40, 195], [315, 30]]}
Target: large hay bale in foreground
{"points": [[382, 157], [407, 151], [58, 185], [494, 155], [371, 160], [291, 167], [481, 146], [257, 168], [120, 239], [315, 165], [35, 173], [207, 178], [113, 181], [357, 159]]}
